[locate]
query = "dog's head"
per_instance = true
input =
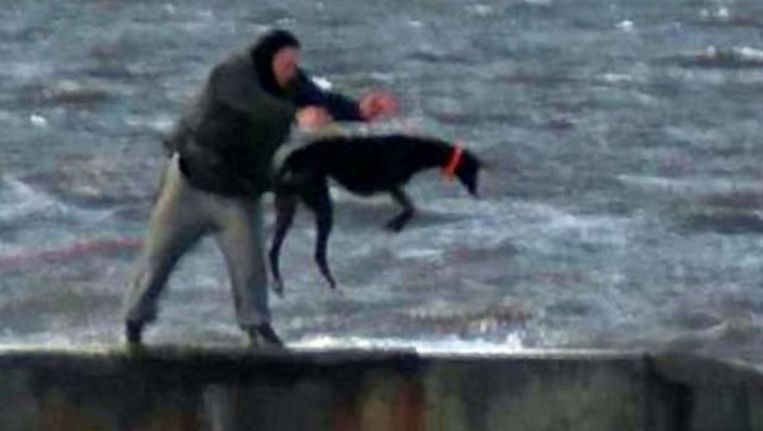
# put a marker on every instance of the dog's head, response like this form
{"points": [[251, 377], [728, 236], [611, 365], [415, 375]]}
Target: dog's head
{"points": [[467, 171]]}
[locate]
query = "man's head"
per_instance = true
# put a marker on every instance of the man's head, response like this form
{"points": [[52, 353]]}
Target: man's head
{"points": [[276, 59], [285, 65]]}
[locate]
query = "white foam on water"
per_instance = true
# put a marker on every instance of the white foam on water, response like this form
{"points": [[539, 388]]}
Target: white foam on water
{"points": [[617, 78], [415, 23], [27, 209], [512, 343], [538, 224], [161, 123], [419, 253], [721, 12], [690, 184], [339, 194], [19, 200], [749, 53], [480, 9], [26, 70], [625, 25]]}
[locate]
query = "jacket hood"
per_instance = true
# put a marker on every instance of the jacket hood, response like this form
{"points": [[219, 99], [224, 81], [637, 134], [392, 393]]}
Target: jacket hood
{"points": [[262, 53]]}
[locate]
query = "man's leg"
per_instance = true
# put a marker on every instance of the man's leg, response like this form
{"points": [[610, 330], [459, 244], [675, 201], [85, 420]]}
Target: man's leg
{"points": [[175, 225], [240, 237]]}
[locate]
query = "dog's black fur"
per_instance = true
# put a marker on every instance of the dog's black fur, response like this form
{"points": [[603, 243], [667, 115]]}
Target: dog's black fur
{"points": [[363, 165]]}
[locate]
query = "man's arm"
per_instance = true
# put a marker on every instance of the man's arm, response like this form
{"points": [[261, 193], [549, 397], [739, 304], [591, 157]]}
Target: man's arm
{"points": [[341, 107]]}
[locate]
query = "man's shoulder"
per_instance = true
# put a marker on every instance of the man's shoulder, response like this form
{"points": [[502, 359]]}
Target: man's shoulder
{"points": [[236, 62]]}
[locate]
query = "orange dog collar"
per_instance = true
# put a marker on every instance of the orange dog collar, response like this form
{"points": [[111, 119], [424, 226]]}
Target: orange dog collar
{"points": [[449, 170]]}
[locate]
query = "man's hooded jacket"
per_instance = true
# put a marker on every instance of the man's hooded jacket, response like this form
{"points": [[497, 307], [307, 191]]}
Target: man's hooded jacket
{"points": [[226, 140]]}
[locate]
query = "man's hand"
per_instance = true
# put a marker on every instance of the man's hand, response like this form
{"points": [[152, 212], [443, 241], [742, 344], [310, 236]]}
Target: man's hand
{"points": [[377, 104], [313, 118]]}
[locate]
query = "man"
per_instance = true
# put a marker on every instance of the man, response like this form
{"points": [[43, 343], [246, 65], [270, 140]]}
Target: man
{"points": [[220, 165]]}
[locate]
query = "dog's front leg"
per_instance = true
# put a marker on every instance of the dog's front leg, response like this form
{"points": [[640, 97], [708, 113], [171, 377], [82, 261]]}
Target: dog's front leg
{"points": [[286, 205], [317, 199], [397, 223]]}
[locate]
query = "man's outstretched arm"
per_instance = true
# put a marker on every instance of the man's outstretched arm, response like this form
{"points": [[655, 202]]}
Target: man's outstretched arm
{"points": [[373, 106]]}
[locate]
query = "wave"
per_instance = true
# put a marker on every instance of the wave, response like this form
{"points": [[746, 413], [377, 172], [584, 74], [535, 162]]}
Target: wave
{"points": [[740, 199], [18, 200], [482, 320], [31, 258], [722, 16], [700, 185], [736, 337], [726, 222], [66, 92], [726, 58], [88, 182]]}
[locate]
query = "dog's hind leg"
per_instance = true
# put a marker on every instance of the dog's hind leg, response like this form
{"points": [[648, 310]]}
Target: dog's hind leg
{"points": [[397, 223], [286, 205], [316, 197]]}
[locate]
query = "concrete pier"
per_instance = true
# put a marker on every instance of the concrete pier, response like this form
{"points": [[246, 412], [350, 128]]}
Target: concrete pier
{"points": [[179, 388]]}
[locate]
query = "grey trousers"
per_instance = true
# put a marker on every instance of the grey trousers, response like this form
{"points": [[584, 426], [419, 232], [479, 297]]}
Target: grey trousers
{"points": [[181, 216]]}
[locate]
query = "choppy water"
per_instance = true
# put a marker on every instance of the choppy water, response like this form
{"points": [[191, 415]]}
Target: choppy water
{"points": [[625, 208]]}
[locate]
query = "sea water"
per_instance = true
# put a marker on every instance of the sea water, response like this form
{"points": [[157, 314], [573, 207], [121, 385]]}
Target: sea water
{"points": [[623, 207]]}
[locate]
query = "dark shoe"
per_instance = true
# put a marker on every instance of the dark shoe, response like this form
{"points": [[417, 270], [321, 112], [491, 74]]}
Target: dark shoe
{"points": [[134, 332], [263, 335]]}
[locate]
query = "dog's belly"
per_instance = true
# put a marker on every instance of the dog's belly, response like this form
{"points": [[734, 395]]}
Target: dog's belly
{"points": [[367, 185], [362, 190]]}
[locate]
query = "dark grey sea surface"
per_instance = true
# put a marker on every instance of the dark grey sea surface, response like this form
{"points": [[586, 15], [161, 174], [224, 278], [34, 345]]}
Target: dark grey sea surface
{"points": [[624, 208]]}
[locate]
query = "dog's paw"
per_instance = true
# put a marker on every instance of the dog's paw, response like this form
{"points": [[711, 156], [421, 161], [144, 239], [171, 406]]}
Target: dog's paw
{"points": [[395, 225], [278, 288]]}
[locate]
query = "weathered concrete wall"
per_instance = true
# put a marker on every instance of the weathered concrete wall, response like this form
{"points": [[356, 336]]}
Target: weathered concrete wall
{"points": [[712, 395], [181, 389]]}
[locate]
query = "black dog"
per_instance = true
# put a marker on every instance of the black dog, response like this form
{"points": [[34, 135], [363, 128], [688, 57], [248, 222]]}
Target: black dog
{"points": [[364, 166]]}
